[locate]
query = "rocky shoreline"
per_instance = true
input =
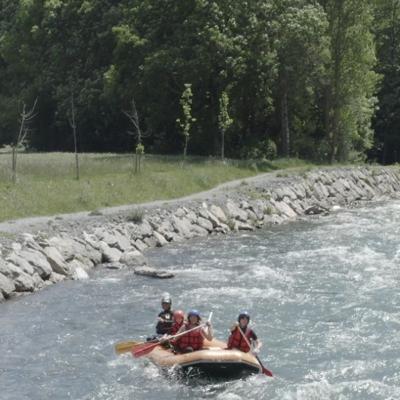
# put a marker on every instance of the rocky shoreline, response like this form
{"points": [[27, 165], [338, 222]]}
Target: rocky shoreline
{"points": [[39, 252]]}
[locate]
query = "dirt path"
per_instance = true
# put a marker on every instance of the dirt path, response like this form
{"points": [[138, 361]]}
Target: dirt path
{"points": [[11, 228]]}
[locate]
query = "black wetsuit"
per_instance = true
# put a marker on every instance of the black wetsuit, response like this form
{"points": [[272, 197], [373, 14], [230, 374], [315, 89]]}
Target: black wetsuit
{"points": [[165, 326]]}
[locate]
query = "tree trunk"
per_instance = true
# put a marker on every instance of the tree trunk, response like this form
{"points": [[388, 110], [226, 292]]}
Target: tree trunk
{"points": [[136, 163], [185, 147], [285, 132], [73, 126], [14, 164], [222, 145], [335, 131]]}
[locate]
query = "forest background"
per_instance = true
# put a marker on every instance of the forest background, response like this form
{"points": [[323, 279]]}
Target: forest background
{"points": [[318, 80]]}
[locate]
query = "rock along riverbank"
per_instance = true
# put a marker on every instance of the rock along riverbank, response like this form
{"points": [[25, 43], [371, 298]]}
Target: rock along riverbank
{"points": [[38, 252]]}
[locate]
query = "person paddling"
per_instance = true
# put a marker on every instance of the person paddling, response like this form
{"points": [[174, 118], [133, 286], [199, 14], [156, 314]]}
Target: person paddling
{"points": [[178, 319], [240, 332], [193, 340], [164, 319]]}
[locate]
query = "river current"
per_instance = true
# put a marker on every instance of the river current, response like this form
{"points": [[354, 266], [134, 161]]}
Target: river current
{"points": [[323, 295]]}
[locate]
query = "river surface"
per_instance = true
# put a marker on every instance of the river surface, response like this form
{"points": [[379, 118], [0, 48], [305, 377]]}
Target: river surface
{"points": [[323, 295]]}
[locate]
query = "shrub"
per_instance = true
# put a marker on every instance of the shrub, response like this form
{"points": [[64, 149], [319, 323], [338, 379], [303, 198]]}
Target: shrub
{"points": [[136, 216], [264, 150]]}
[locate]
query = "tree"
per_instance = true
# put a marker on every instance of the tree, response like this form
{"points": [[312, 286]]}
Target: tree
{"points": [[139, 149], [302, 50], [224, 120], [352, 81], [185, 123], [387, 120], [72, 123], [26, 118]]}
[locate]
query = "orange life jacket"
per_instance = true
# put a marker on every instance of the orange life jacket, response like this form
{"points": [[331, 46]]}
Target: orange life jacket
{"points": [[192, 339], [237, 341]]}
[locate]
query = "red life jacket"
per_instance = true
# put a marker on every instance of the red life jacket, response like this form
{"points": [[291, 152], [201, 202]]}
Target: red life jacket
{"points": [[175, 327], [192, 339], [237, 341]]}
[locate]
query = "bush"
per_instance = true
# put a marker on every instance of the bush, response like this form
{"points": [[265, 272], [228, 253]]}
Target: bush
{"points": [[265, 149], [136, 216]]}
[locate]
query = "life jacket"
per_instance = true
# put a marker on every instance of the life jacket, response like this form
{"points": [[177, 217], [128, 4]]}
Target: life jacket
{"points": [[165, 326], [237, 341], [175, 327], [192, 339]]}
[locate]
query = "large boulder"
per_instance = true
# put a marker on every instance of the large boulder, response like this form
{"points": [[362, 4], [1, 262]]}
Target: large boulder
{"points": [[138, 230], [235, 212], [284, 209], [205, 224], [166, 229], [56, 261], [7, 286], [316, 209], [160, 239], [219, 213], [85, 250], [133, 258], [182, 226], [210, 217], [38, 261], [21, 263], [78, 270], [115, 239], [24, 283], [140, 245], [109, 254], [153, 273]]}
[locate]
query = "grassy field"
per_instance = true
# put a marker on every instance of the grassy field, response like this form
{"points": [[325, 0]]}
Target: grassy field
{"points": [[46, 183]]}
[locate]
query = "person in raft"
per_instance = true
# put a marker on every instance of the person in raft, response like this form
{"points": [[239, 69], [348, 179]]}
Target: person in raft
{"points": [[193, 340], [165, 317], [178, 319], [242, 337]]}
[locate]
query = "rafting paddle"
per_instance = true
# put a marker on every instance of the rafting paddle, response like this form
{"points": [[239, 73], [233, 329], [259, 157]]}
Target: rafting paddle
{"points": [[124, 347], [264, 370], [146, 348]]}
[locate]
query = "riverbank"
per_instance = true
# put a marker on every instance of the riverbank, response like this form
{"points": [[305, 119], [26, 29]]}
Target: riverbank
{"points": [[38, 252], [47, 185]]}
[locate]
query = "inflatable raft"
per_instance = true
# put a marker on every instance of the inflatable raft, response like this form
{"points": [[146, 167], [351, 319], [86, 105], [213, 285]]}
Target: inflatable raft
{"points": [[214, 360]]}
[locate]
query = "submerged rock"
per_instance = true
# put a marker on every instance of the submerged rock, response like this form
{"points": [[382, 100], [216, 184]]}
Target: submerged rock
{"points": [[153, 273], [316, 209]]}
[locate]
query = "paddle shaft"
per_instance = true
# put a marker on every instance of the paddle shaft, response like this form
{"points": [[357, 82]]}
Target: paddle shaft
{"points": [[124, 347]]}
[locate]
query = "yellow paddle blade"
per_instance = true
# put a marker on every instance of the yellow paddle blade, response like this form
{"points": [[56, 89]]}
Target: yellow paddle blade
{"points": [[125, 347]]}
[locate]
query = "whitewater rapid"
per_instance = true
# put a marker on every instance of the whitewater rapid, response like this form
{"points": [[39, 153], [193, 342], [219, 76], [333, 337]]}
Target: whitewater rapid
{"points": [[323, 295]]}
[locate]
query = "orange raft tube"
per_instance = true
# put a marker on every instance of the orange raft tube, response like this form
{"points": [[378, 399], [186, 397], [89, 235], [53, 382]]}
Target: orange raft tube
{"points": [[214, 360]]}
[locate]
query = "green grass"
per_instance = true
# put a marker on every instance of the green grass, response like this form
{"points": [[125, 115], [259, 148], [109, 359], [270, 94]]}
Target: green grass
{"points": [[46, 184]]}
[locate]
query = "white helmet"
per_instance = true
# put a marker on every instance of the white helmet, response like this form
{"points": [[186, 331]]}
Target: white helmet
{"points": [[166, 299]]}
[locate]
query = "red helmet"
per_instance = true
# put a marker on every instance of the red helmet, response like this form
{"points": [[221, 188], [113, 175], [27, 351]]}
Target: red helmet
{"points": [[179, 314]]}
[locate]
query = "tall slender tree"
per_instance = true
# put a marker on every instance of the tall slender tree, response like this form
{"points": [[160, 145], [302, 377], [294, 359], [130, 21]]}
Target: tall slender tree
{"points": [[186, 121], [224, 120], [387, 120], [350, 99]]}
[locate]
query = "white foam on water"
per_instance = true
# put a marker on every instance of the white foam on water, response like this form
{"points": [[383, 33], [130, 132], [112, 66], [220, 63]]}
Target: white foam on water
{"points": [[322, 390], [229, 396], [239, 294]]}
